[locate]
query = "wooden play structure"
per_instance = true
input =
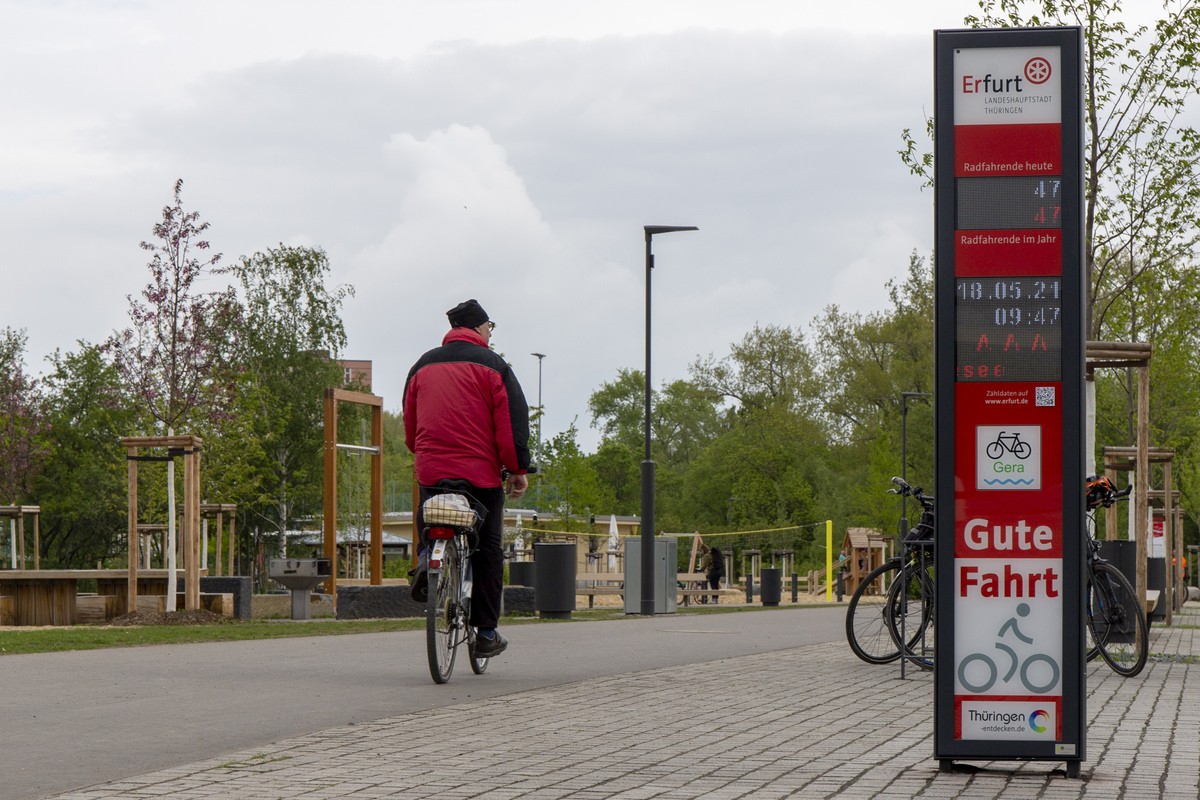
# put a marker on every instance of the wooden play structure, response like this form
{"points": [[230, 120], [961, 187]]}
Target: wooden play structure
{"points": [[16, 534], [1125, 459], [865, 549], [187, 447], [1131, 356], [217, 512], [375, 450]]}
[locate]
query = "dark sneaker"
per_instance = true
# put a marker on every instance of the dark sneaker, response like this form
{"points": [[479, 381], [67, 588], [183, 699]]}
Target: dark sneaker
{"points": [[490, 647], [420, 579]]}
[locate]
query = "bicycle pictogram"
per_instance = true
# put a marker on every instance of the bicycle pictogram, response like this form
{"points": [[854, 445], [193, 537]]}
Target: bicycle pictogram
{"points": [[1028, 668], [1010, 443]]}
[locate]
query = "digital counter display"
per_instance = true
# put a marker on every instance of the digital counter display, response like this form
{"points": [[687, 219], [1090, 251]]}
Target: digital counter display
{"points": [[1008, 203], [1008, 329]]}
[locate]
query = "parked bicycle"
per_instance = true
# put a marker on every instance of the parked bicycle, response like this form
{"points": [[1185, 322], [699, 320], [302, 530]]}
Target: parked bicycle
{"points": [[1116, 621], [894, 602], [452, 519]]}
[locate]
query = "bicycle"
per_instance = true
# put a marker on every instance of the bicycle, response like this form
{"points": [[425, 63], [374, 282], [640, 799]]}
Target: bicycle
{"points": [[1116, 627], [1116, 623], [452, 519], [894, 602], [1008, 443]]}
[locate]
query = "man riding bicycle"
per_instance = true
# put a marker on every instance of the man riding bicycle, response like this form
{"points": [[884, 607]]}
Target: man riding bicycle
{"points": [[467, 423]]}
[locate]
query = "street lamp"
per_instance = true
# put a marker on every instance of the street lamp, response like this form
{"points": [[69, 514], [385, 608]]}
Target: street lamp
{"points": [[541, 414], [647, 464], [904, 398]]}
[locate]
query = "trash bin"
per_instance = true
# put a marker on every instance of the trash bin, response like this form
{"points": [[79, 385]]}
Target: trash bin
{"points": [[1122, 554], [554, 579], [771, 589], [520, 573]]}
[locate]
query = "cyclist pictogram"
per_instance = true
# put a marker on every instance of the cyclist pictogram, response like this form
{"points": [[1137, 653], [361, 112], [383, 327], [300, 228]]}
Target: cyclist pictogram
{"points": [[1010, 443], [1036, 679]]}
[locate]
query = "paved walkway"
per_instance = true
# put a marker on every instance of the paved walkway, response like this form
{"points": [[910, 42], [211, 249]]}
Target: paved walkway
{"points": [[811, 722]]}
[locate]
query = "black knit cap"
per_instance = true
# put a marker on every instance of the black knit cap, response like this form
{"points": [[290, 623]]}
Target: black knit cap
{"points": [[467, 314]]}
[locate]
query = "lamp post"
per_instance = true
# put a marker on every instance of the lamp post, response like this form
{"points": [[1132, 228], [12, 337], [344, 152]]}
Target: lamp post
{"points": [[647, 463], [904, 397], [541, 412]]}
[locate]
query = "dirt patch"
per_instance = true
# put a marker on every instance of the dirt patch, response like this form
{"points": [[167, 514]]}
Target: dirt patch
{"points": [[200, 617]]}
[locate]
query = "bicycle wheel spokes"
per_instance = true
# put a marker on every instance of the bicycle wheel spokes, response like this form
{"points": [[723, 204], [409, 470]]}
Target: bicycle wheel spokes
{"points": [[1117, 621], [867, 629], [444, 625]]}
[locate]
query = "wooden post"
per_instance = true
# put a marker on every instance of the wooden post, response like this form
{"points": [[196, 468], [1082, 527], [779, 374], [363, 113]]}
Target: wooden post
{"points": [[1168, 545], [131, 592], [1141, 505], [37, 544], [232, 540], [191, 528], [377, 496], [329, 525], [217, 545]]}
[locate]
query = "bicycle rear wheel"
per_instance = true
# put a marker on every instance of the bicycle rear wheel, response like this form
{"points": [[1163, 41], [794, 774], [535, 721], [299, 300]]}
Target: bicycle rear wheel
{"points": [[444, 622], [867, 629], [1117, 620]]}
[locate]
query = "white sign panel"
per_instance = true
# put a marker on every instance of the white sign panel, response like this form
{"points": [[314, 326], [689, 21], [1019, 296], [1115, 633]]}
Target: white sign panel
{"points": [[1008, 457], [1007, 86]]}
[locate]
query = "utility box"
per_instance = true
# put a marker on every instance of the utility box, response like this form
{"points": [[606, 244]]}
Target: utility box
{"points": [[666, 550]]}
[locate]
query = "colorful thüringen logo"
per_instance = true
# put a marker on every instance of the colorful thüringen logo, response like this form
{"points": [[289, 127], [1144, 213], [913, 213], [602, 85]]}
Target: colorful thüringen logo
{"points": [[1038, 720]]}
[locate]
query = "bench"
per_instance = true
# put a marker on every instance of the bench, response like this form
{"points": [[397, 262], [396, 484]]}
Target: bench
{"points": [[694, 584], [595, 583], [1151, 600]]}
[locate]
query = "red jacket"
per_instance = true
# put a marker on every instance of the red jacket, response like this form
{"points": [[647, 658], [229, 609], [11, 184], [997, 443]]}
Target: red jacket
{"points": [[465, 415]]}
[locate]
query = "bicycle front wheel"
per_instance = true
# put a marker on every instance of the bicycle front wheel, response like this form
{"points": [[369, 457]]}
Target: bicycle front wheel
{"points": [[867, 628], [444, 622], [1117, 620]]}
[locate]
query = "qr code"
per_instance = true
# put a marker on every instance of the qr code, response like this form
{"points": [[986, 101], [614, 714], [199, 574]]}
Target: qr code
{"points": [[1043, 396]]}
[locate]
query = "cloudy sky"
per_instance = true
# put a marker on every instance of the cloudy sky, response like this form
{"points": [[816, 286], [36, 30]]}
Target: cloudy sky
{"points": [[508, 150]]}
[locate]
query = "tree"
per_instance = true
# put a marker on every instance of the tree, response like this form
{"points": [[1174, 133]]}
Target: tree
{"points": [[1141, 162], [169, 354], [82, 489], [21, 421], [771, 367], [569, 483], [287, 331]]}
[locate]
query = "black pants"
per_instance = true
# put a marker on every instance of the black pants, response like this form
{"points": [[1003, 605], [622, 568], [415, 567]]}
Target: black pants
{"points": [[714, 582], [487, 564]]}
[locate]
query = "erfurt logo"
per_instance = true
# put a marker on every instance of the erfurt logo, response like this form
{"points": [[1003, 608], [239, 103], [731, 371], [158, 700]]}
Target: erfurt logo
{"points": [[1036, 71]]}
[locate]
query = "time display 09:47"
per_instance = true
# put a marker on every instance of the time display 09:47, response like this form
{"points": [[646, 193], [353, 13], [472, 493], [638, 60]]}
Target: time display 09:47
{"points": [[1007, 302]]}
